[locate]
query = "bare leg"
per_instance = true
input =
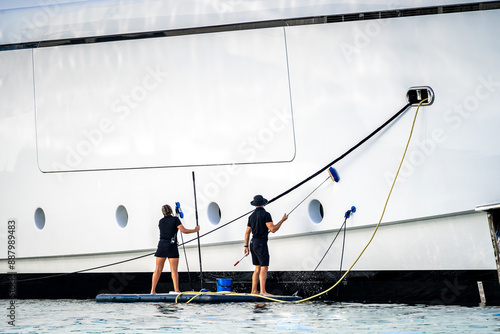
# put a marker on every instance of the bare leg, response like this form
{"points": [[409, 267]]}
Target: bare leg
{"points": [[160, 261], [174, 266], [255, 280], [263, 278]]}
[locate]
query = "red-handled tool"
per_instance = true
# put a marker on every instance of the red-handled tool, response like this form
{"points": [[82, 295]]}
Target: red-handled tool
{"points": [[240, 259]]}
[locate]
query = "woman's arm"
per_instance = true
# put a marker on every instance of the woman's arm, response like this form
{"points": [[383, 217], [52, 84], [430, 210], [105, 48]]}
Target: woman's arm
{"points": [[187, 230]]}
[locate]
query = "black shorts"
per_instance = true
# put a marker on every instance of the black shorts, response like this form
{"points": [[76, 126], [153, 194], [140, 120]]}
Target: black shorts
{"points": [[260, 252], [166, 249]]}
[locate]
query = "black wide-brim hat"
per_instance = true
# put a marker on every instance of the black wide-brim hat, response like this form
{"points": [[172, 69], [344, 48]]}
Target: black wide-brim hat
{"points": [[258, 200]]}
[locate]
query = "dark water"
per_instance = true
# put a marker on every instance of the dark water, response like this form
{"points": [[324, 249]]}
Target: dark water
{"points": [[87, 316]]}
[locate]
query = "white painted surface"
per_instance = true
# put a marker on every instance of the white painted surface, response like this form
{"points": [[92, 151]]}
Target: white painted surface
{"points": [[164, 102], [28, 21], [345, 79]]}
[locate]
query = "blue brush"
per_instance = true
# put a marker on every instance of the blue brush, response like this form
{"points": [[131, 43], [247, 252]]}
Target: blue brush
{"points": [[333, 174], [178, 209], [348, 212]]}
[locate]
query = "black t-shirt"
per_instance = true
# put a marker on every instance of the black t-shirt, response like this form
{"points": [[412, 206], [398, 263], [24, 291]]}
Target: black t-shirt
{"points": [[257, 222], [168, 228]]}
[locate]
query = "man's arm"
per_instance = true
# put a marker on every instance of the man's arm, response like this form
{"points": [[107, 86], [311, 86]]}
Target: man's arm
{"points": [[275, 227], [247, 239]]}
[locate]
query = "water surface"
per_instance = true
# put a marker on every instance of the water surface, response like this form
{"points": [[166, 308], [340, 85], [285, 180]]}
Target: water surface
{"points": [[87, 316]]}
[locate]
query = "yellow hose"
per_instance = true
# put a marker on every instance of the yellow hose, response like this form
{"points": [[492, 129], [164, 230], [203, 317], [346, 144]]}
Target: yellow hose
{"points": [[360, 254], [381, 217], [197, 294]]}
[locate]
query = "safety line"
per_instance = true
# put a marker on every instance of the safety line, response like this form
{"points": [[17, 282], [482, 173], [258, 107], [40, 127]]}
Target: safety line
{"points": [[320, 261], [343, 155], [402, 110], [369, 241], [81, 271], [396, 115]]}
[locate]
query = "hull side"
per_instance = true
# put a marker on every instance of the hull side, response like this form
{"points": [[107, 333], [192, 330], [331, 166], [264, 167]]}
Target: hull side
{"points": [[409, 287]]}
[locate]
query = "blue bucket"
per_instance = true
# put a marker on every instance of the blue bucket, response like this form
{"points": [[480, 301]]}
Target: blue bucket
{"points": [[224, 284]]}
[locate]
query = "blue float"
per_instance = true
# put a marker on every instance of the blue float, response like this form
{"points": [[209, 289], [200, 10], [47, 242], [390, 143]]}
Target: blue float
{"points": [[192, 297]]}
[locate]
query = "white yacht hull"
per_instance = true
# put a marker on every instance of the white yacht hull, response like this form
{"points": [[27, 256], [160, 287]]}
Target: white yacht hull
{"points": [[102, 125]]}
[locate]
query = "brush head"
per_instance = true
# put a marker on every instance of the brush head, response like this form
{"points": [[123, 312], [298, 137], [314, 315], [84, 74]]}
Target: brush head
{"points": [[349, 212], [178, 209], [333, 174]]}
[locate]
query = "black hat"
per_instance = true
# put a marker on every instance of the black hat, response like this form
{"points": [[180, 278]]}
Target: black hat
{"points": [[258, 201]]}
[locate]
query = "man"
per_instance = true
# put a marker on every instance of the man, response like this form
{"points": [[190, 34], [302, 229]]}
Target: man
{"points": [[259, 224]]}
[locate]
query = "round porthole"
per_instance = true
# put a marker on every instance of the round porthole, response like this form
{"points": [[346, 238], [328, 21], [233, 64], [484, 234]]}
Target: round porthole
{"points": [[316, 211], [121, 216], [39, 218], [214, 213]]}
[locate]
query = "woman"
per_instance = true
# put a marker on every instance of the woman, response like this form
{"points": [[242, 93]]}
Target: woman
{"points": [[167, 246]]}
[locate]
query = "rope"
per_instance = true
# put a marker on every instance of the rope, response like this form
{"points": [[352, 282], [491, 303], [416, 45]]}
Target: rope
{"points": [[338, 232], [342, 255], [396, 115], [249, 212], [343, 155], [82, 271], [324, 255], [369, 241], [381, 216]]}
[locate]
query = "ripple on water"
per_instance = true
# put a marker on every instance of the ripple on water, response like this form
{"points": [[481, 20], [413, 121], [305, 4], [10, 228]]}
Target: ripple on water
{"points": [[87, 316]]}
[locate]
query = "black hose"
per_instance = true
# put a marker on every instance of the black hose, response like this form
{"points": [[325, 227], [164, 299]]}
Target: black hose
{"points": [[343, 155], [245, 214], [396, 115]]}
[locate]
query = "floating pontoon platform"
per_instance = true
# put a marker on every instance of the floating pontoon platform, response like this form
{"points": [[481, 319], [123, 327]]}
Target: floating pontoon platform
{"points": [[193, 297]]}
